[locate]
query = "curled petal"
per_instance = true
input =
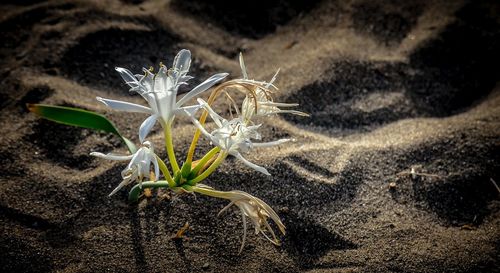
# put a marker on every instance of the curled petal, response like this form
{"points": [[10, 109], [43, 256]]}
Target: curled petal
{"points": [[146, 127], [250, 164]]}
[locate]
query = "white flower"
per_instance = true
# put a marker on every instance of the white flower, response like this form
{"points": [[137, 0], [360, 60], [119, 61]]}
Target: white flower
{"points": [[262, 104], [250, 206], [234, 136], [160, 92], [139, 166]]}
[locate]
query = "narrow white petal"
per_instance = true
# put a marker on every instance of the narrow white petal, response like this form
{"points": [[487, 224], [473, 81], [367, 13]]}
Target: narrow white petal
{"points": [[202, 129], [121, 185], [129, 78], [273, 79], [225, 208], [111, 156], [215, 117], [182, 61], [243, 67], [146, 127], [271, 143], [187, 110], [294, 112], [124, 106], [157, 167], [250, 164], [278, 104], [202, 87], [268, 227]]}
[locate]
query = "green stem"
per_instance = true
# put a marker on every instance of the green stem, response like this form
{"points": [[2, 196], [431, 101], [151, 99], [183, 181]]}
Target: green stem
{"points": [[210, 169], [170, 147], [133, 195], [166, 173], [205, 159]]}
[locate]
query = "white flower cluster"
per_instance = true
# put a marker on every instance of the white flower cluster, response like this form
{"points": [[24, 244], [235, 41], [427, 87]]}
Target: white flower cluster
{"points": [[231, 137]]}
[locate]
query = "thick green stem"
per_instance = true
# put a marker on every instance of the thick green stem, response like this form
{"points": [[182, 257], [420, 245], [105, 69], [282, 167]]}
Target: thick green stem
{"points": [[133, 195], [166, 173], [170, 147], [205, 159], [210, 169]]}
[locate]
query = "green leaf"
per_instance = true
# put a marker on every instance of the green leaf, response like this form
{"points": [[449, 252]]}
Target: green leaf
{"points": [[79, 118]]}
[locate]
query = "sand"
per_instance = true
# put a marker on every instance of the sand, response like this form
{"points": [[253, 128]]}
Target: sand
{"points": [[390, 87]]}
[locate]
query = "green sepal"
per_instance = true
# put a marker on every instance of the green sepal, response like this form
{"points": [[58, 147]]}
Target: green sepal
{"points": [[192, 175], [186, 170], [79, 118]]}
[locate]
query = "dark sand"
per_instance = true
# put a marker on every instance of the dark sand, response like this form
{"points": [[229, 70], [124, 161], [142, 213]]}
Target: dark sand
{"points": [[389, 86]]}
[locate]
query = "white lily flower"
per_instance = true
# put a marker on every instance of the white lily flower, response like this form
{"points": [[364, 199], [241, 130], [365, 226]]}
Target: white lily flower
{"points": [[234, 136], [265, 104], [250, 206], [139, 166], [160, 92]]}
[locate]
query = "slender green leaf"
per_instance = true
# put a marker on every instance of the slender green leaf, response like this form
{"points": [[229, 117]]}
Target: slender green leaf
{"points": [[79, 118]]}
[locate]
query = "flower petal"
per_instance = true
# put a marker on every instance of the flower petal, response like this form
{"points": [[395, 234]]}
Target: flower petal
{"points": [[202, 87], [121, 185], [243, 67], [162, 83], [215, 117], [129, 78], [201, 128], [250, 164], [146, 127], [124, 106], [187, 110], [182, 61], [157, 167], [269, 84], [111, 156], [271, 143]]}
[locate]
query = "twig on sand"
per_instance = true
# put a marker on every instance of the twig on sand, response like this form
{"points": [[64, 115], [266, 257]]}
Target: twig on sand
{"points": [[180, 233]]}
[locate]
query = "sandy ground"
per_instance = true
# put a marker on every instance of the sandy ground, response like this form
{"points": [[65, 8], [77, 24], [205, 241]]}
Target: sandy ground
{"points": [[390, 86]]}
